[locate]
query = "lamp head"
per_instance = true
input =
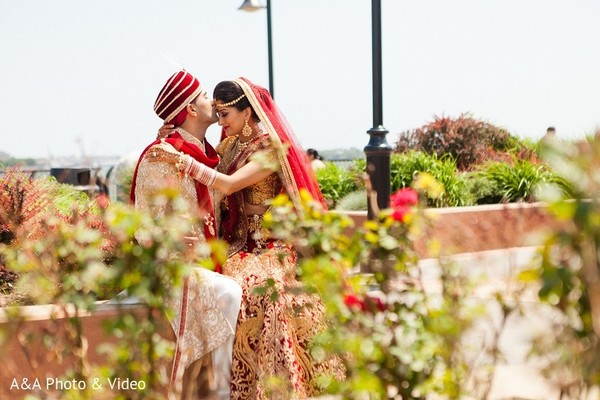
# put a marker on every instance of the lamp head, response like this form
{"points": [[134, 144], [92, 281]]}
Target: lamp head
{"points": [[251, 5]]}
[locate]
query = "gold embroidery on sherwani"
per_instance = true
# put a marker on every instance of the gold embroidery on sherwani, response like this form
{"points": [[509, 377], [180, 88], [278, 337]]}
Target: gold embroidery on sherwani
{"points": [[204, 325], [152, 178]]}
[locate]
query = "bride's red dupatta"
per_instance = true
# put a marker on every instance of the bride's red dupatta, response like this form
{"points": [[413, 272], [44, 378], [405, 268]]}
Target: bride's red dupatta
{"points": [[296, 171]]}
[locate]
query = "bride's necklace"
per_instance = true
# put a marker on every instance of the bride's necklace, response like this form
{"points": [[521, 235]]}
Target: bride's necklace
{"points": [[242, 145]]}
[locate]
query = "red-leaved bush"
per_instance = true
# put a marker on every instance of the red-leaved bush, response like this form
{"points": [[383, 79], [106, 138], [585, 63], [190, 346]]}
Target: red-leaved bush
{"points": [[468, 140], [28, 211], [23, 203]]}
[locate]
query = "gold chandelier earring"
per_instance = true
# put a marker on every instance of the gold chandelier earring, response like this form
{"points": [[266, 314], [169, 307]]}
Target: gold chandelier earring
{"points": [[246, 130]]}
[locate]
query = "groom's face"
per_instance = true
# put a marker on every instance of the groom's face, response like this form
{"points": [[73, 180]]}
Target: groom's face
{"points": [[205, 108]]}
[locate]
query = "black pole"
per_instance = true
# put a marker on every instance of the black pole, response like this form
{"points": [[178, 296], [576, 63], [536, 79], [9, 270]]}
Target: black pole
{"points": [[270, 46], [378, 151]]}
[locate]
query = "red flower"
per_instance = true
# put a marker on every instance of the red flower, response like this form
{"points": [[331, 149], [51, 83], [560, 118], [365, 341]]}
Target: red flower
{"points": [[374, 303], [103, 201], [354, 303], [370, 304], [400, 213], [404, 197], [401, 203]]}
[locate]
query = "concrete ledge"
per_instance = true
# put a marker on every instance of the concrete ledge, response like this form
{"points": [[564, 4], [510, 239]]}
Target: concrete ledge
{"points": [[26, 355], [481, 228], [49, 311]]}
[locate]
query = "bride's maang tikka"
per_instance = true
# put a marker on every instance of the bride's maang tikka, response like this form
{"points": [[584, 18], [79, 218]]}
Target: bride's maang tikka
{"points": [[229, 103]]}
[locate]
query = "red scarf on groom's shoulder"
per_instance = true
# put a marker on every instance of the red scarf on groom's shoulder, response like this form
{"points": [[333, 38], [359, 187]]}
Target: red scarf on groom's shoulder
{"points": [[210, 159]]}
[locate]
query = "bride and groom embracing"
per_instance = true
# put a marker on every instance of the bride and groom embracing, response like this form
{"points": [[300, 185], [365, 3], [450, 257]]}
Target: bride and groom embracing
{"points": [[249, 337]]}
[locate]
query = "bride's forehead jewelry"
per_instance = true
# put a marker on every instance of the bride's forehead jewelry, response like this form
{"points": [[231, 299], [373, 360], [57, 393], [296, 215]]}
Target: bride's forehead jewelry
{"points": [[228, 104]]}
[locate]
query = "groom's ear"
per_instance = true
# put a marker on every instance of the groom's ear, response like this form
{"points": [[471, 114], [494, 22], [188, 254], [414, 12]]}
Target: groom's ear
{"points": [[191, 109]]}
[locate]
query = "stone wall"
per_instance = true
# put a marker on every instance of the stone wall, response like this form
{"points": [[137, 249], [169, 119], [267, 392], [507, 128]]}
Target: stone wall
{"points": [[481, 228], [29, 358]]}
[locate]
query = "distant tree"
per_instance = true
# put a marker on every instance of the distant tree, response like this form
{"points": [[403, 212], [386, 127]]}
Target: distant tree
{"points": [[342, 154], [11, 162]]}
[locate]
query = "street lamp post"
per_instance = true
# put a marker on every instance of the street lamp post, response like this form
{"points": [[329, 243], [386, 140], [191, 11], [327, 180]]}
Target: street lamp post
{"points": [[378, 151], [254, 5]]}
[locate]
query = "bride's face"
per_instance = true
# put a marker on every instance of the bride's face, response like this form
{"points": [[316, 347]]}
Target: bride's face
{"points": [[232, 120]]}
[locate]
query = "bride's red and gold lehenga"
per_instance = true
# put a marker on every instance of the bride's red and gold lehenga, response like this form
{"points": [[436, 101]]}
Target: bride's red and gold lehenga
{"points": [[271, 346]]}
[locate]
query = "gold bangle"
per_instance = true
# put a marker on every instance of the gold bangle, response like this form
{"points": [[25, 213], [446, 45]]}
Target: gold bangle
{"points": [[181, 163]]}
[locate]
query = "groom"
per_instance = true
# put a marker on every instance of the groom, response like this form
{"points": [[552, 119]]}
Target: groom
{"points": [[206, 313]]}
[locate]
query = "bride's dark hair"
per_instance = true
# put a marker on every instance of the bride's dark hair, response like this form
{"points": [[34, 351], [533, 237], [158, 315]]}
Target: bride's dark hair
{"points": [[228, 91]]}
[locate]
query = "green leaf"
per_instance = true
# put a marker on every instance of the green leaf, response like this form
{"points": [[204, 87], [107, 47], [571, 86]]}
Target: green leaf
{"points": [[529, 275], [388, 242]]}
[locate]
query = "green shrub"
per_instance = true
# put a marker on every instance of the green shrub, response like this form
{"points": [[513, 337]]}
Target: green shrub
{"points": [[353, 201], [405, 167], [525, 144], [123, 177], [66, 198], [519, 180], [336, 182], [482, 190]]}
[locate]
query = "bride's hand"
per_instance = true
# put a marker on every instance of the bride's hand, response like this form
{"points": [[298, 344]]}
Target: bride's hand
{"points": [[165, 131], [158, 153]]}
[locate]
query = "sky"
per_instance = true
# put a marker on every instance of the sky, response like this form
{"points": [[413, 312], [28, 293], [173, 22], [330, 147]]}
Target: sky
{"points": [[79, 78]]}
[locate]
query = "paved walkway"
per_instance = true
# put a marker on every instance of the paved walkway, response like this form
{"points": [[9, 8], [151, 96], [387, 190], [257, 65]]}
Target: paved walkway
{"points": [[517, 376]]}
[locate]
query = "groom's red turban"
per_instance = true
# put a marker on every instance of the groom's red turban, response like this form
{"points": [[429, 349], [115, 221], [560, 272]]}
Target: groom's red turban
{"points": [[178, 92]]}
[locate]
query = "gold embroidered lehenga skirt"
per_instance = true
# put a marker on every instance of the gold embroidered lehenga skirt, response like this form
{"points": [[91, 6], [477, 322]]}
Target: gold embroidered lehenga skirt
{"points": [[271, 358]]}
